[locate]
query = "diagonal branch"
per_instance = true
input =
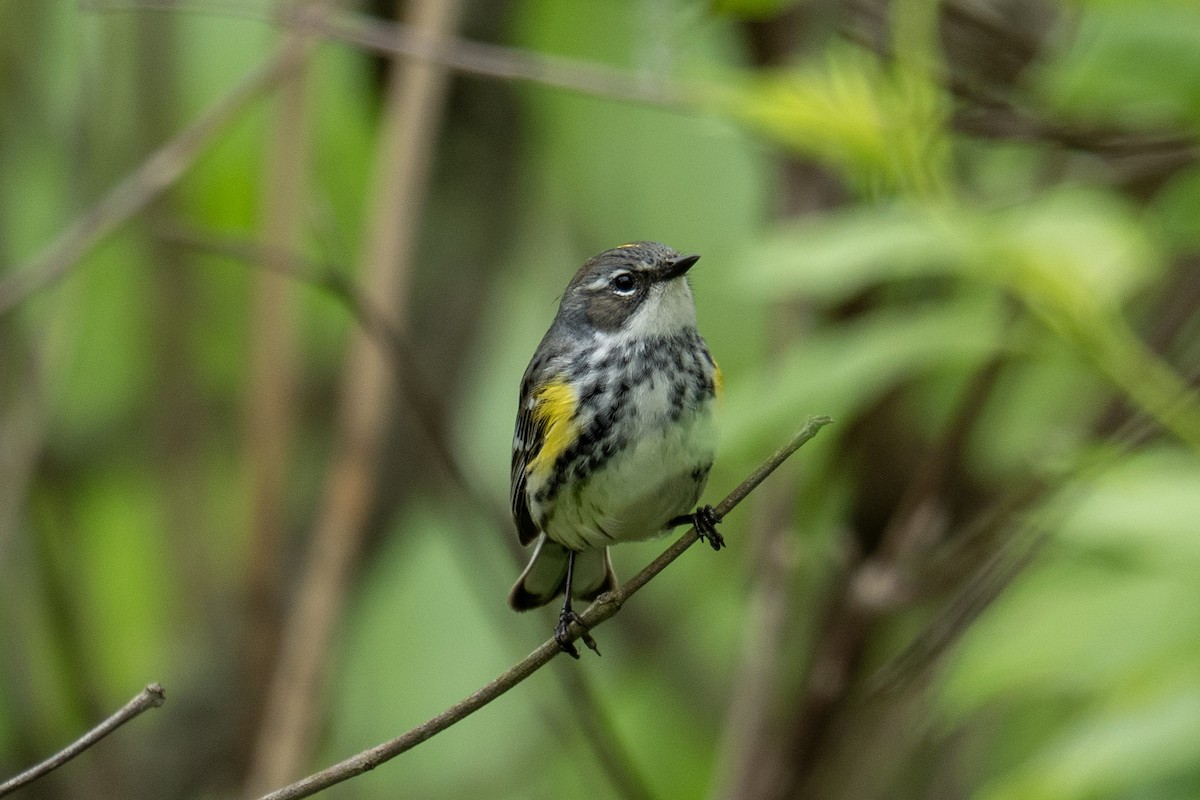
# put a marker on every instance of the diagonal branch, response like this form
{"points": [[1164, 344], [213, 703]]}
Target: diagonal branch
{"points": [[395, 39], [605, 607], [152, 696], [401, 40]]}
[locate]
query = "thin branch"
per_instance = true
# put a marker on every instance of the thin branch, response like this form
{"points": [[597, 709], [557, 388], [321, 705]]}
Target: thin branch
{"points": [[152, 696], [497, 61], [987, 115], [605, 607], [131, 196]]}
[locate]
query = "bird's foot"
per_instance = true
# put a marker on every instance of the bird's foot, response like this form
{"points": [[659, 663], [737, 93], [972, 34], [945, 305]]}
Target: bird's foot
{"points": [[706, 525], [705, 519], [562, 634]]}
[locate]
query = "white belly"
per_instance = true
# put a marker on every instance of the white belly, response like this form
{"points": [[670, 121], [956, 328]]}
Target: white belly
{"points": [[658, 477]]}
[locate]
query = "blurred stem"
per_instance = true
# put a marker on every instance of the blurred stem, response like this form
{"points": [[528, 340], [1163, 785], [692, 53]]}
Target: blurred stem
{"points": [[592, 716], [23, 554], [269, 409], [747, 763], [22, 435], [412, 114], [868, 589], [403, 40], [176, 412], [749, 757], [1148, 380]]}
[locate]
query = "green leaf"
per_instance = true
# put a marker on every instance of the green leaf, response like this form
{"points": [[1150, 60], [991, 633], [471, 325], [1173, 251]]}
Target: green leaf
{"points": [[840, 370], [1134, 65], [882, 129], [1071, 252], [833, 256], [1174, 211], [1113, 753], [1104, 627], [1146, 509], [752, 9]]}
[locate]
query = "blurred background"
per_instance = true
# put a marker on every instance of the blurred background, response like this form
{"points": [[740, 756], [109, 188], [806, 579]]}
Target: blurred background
{"points": [[270, 273]]}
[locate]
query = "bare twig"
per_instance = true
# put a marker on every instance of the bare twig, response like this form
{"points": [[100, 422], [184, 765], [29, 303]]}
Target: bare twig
{"points": [[498, 61], [152, 696], [605, 607], [158, 172]]}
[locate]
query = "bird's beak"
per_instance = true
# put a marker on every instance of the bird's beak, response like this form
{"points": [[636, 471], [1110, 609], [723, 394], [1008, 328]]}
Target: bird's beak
{"points": [[678, 266]]}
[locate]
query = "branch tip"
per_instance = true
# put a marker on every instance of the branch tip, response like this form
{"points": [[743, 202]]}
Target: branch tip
{"points": [[152, 696]]}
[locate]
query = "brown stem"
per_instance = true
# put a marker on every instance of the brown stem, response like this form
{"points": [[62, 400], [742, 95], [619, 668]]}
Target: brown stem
{"points": [[413, 110], [269, 407]]}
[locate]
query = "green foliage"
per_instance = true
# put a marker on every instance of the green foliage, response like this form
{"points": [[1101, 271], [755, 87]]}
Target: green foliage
{"points": [[1106, 626], [1050, 251], [1132, 64], [878, 126], [752, 9]]}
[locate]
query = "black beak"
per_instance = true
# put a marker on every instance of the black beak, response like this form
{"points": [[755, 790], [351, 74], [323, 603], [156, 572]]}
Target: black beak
{"points": [[678, 266]]}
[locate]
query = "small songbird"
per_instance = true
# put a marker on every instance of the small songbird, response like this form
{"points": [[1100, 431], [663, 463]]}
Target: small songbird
{"points": [[615, 432]]}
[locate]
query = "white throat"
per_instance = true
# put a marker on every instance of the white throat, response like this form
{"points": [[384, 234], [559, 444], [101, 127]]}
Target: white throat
{"points": [[668, 309]]}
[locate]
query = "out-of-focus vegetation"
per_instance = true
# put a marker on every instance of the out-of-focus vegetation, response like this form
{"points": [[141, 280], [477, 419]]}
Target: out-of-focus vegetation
{"points": [[966, 230]]}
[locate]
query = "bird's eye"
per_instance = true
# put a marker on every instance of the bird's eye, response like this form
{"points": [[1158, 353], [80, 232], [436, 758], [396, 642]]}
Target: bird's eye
{"points": [[623, 284]]}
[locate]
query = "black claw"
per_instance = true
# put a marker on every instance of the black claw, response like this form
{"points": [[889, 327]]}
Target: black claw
{"points": [[564, 640], [562, 634], [706, 525], [705, 519]]}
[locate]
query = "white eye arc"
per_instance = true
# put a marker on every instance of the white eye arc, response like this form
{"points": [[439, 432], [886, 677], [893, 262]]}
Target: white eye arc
{"points": [[623, 284]]}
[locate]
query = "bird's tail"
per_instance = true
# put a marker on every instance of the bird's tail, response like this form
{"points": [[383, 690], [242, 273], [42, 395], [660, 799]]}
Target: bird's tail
{"points": [[543, 578]]}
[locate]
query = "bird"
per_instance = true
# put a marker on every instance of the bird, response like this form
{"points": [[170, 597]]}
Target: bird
{"points": [[616, 431]]}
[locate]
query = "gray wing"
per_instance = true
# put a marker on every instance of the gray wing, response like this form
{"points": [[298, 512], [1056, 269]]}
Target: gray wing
{"points": [[527, 441]]}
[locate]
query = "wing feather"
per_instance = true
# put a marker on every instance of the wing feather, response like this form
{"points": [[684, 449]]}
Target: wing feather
{"points": [[527, 443]]}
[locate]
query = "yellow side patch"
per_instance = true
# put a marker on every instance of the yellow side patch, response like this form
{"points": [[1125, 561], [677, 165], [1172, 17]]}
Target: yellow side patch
{"points": [[555, 414], [718, 381]]}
